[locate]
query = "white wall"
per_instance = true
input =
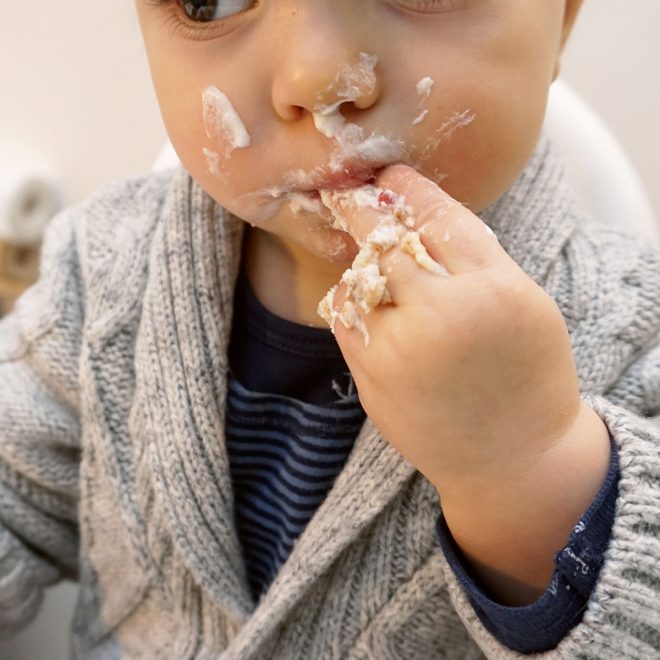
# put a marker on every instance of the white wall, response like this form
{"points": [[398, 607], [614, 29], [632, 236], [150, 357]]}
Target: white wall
{"points": [[76, 92], [613, 61], [75, 95]]}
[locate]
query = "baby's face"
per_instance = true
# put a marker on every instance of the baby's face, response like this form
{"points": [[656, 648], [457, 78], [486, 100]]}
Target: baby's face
{"points": [[267, 101]]}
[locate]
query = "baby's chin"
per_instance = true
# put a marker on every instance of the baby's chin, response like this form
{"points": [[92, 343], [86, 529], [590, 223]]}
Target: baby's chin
{"points": [[313, 232], [321, 240]]}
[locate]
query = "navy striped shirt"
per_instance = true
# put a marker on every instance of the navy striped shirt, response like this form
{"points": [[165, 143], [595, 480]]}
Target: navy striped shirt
{"points": [[292, 418], [285, 456]]}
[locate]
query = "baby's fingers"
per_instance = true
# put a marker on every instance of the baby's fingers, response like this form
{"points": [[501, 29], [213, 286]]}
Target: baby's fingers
{"points": [[451, 233], [389, 246], [349, 318]]}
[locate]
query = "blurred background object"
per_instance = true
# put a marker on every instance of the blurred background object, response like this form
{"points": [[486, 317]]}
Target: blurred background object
{"points": [[28, 200], [18, 269], [76, 94]]}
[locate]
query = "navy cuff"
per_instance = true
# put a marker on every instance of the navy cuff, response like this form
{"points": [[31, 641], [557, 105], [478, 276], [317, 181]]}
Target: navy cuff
{"points": [[541, 625]]}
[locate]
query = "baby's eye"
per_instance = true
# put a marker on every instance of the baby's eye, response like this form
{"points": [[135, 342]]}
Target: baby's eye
{"points": [[213, 10], [435, 5]]}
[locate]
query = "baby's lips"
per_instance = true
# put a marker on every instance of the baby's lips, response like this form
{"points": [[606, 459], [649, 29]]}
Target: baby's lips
{"points": [[358, 210]]}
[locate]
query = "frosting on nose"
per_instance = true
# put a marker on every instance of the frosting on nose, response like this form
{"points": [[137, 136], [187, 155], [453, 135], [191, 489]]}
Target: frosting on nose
{"points": [[352, 83]]}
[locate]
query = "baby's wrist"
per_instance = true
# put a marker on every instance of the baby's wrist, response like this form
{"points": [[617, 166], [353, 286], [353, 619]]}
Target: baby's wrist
{"points": [[510, 527], [586, 441]]}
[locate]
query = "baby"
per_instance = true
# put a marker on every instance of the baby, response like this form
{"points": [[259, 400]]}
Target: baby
{"points": [[465, 464]]}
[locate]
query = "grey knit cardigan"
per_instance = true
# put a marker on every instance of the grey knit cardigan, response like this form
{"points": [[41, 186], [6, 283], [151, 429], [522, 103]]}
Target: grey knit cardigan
{"points": [[114, 472]]}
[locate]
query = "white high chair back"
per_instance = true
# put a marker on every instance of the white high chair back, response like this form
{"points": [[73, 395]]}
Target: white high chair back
{"points": [[605, 181]]}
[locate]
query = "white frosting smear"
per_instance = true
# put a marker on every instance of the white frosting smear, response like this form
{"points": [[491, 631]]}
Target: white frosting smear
{"points": [[420, 117], [351, 83], [212, 162], [453, 123], [424, 87], [221, 119], [304, 203]]}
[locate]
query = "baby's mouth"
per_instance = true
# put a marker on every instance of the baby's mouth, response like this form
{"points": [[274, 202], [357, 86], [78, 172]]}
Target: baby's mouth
{"points": [[302, 189], [350, 175]]}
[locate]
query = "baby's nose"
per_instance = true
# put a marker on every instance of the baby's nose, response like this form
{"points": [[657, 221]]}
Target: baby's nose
{"points": [[323, 65]]}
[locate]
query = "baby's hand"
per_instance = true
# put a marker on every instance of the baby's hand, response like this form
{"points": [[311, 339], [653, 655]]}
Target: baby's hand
{"points": [[468, 372]]}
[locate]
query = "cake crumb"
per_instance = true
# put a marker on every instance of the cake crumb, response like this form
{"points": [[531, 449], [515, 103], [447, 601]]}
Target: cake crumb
{"points": [[411, 244], [366, 285]]}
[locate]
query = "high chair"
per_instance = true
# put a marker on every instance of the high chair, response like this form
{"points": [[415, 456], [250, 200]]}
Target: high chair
{"points": [[606, 183]]}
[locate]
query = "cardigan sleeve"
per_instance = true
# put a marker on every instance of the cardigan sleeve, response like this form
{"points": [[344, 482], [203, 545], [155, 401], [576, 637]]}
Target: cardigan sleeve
{"points": [[622, 616], [39, 431]]}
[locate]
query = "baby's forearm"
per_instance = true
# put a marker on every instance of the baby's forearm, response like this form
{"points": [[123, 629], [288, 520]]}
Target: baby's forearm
{"points": [[511, 526]]}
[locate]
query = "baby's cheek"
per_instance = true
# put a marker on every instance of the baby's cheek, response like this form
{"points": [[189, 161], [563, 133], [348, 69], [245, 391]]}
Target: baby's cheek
{"points": [[481, 160], [481, 127]]}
